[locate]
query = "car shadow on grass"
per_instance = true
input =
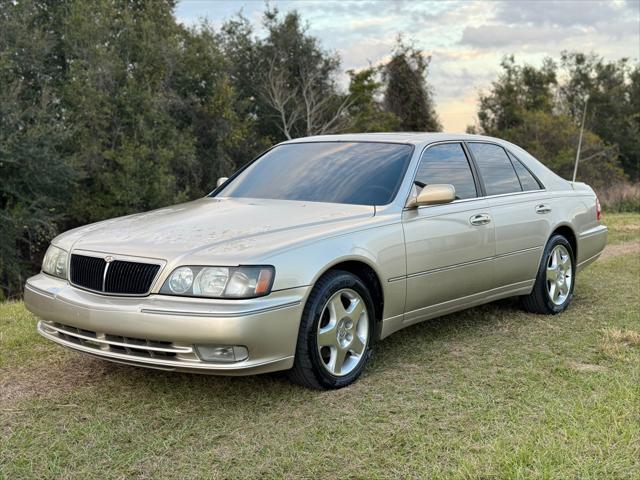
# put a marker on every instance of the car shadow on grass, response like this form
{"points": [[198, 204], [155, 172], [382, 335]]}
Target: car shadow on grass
{"points": [[416, 345], [402, 348]]}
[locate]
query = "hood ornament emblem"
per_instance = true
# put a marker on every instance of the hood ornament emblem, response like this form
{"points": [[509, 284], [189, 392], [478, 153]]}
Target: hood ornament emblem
{"points": [[108, 259]]}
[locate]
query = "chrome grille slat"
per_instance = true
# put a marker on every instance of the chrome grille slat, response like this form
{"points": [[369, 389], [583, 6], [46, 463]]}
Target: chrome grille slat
{"points": [[72, 334]]}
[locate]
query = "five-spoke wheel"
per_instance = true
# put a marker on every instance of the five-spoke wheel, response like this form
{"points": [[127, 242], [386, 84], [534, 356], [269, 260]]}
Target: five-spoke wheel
{"points": [[553, 289], [559, 274], [336, 332], [343, 332]]}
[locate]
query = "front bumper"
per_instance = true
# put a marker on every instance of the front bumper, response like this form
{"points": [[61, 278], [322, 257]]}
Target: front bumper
{"points": [[160, 331]]}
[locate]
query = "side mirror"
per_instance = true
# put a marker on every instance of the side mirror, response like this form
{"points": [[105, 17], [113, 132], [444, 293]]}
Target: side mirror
{"points": [[435, 194], [221, 180]]}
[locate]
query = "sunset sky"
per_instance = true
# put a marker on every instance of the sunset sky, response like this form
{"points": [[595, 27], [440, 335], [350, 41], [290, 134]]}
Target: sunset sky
{"points": [[466, 39]]}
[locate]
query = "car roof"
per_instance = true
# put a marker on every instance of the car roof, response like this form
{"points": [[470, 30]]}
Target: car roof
{"points": [[414, 138]]}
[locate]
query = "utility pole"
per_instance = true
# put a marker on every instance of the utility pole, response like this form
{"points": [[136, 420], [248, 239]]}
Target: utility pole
{"points": [[584, 116]]}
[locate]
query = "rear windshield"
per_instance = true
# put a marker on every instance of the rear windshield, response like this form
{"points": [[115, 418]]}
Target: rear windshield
{"points": [[336, 172]]}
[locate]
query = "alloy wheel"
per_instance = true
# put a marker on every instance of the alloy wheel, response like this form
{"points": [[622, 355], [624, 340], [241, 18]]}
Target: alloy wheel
{"points": [[559, 274], [343, 332]]}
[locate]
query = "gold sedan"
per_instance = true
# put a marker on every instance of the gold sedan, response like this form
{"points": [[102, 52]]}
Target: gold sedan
{"points": [[310, 254]]}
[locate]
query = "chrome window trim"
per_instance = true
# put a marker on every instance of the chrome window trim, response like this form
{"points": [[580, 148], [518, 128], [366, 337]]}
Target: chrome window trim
{"points": [[474, 172], [488, 197], [509, 152]]}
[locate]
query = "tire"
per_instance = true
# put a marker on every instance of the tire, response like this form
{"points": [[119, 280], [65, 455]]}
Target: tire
{"points": [[553, 291], [328, 333]]}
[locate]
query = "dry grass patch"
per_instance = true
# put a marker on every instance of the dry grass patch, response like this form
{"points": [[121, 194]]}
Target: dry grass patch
{"points": [[628, 337], [623, 227], [60, 376], [618, 343], [619, 249], [585, 367]]}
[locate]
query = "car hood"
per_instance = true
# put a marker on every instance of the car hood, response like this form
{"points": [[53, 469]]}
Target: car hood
{"points": [[210, 228]]}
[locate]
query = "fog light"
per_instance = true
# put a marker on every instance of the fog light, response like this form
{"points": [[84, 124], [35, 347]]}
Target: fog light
{"points": [[222, 353]]}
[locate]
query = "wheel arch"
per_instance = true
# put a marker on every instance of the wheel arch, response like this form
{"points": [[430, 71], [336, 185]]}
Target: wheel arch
{"points": [[567, 232], [366, 272]]}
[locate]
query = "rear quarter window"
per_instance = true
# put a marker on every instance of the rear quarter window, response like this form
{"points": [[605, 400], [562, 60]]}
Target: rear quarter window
{"points": [[527, 180]]}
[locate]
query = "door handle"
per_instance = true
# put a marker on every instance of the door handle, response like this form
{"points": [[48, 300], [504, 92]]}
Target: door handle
{"points": [[480, 219], [543, 208]]}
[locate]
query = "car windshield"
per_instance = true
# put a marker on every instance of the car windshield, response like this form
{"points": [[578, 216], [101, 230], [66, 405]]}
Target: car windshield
{"points": [[361, 173]]}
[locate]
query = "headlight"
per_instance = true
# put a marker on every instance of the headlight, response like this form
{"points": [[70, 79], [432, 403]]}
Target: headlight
{"points": [[55, 262], [220, 282]]}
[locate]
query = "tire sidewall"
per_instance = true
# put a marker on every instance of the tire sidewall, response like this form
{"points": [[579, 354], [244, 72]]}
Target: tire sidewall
{"points": [[542, 273], [313, 311]]}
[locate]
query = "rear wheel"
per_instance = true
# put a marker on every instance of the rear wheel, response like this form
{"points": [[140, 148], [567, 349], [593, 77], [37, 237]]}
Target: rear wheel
{"points": [[336, 329], [553, 290]]}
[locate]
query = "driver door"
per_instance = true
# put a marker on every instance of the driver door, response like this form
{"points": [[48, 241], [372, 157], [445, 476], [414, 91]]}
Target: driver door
{"points": [[449, 247]]}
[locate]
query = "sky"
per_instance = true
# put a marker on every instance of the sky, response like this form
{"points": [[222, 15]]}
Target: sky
{"points": [[465, 39]]}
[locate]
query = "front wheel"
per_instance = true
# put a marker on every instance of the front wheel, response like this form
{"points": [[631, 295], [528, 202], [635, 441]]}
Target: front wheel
{"points": [[336, 330], [553, 291]]}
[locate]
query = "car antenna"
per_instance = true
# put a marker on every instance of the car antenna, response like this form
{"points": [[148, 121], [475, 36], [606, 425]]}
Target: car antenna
{"points": [[584, 116]]}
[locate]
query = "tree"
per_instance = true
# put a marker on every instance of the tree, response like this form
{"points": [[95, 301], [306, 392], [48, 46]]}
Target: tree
{"points": [[296, 69], [36, 177], [518, 89], [303, 106], [552, 139], [106, 108], [408, 95], [612, 92], [289, 78], [207, 106], [530, 107], [366, 111], [119, 59]]}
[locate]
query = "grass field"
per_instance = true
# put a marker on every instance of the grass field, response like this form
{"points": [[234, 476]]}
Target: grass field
{"points": [[491, 392]]}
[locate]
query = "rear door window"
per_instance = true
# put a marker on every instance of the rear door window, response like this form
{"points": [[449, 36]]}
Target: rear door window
{"points": [[496, 169]]}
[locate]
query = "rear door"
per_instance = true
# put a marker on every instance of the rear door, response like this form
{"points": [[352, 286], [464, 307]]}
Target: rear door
{"points": [[520, 212], [449, 247]]}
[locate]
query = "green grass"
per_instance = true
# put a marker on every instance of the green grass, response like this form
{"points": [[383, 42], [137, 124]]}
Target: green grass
{"points": [[623, 227], [487, 393]]}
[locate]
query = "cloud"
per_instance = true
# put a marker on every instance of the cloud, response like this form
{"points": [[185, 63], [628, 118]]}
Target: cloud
{"points": [[499, 35], [564, 13], [537, 24], [466, 39]]}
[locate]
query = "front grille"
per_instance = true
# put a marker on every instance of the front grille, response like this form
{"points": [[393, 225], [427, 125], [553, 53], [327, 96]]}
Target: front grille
{"points": [[136, 347], [87, 272], [130, 277], [118, 276]]}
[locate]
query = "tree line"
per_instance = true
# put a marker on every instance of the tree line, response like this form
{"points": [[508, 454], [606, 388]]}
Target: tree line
{"points": [[542, 109], [113, 107]]}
